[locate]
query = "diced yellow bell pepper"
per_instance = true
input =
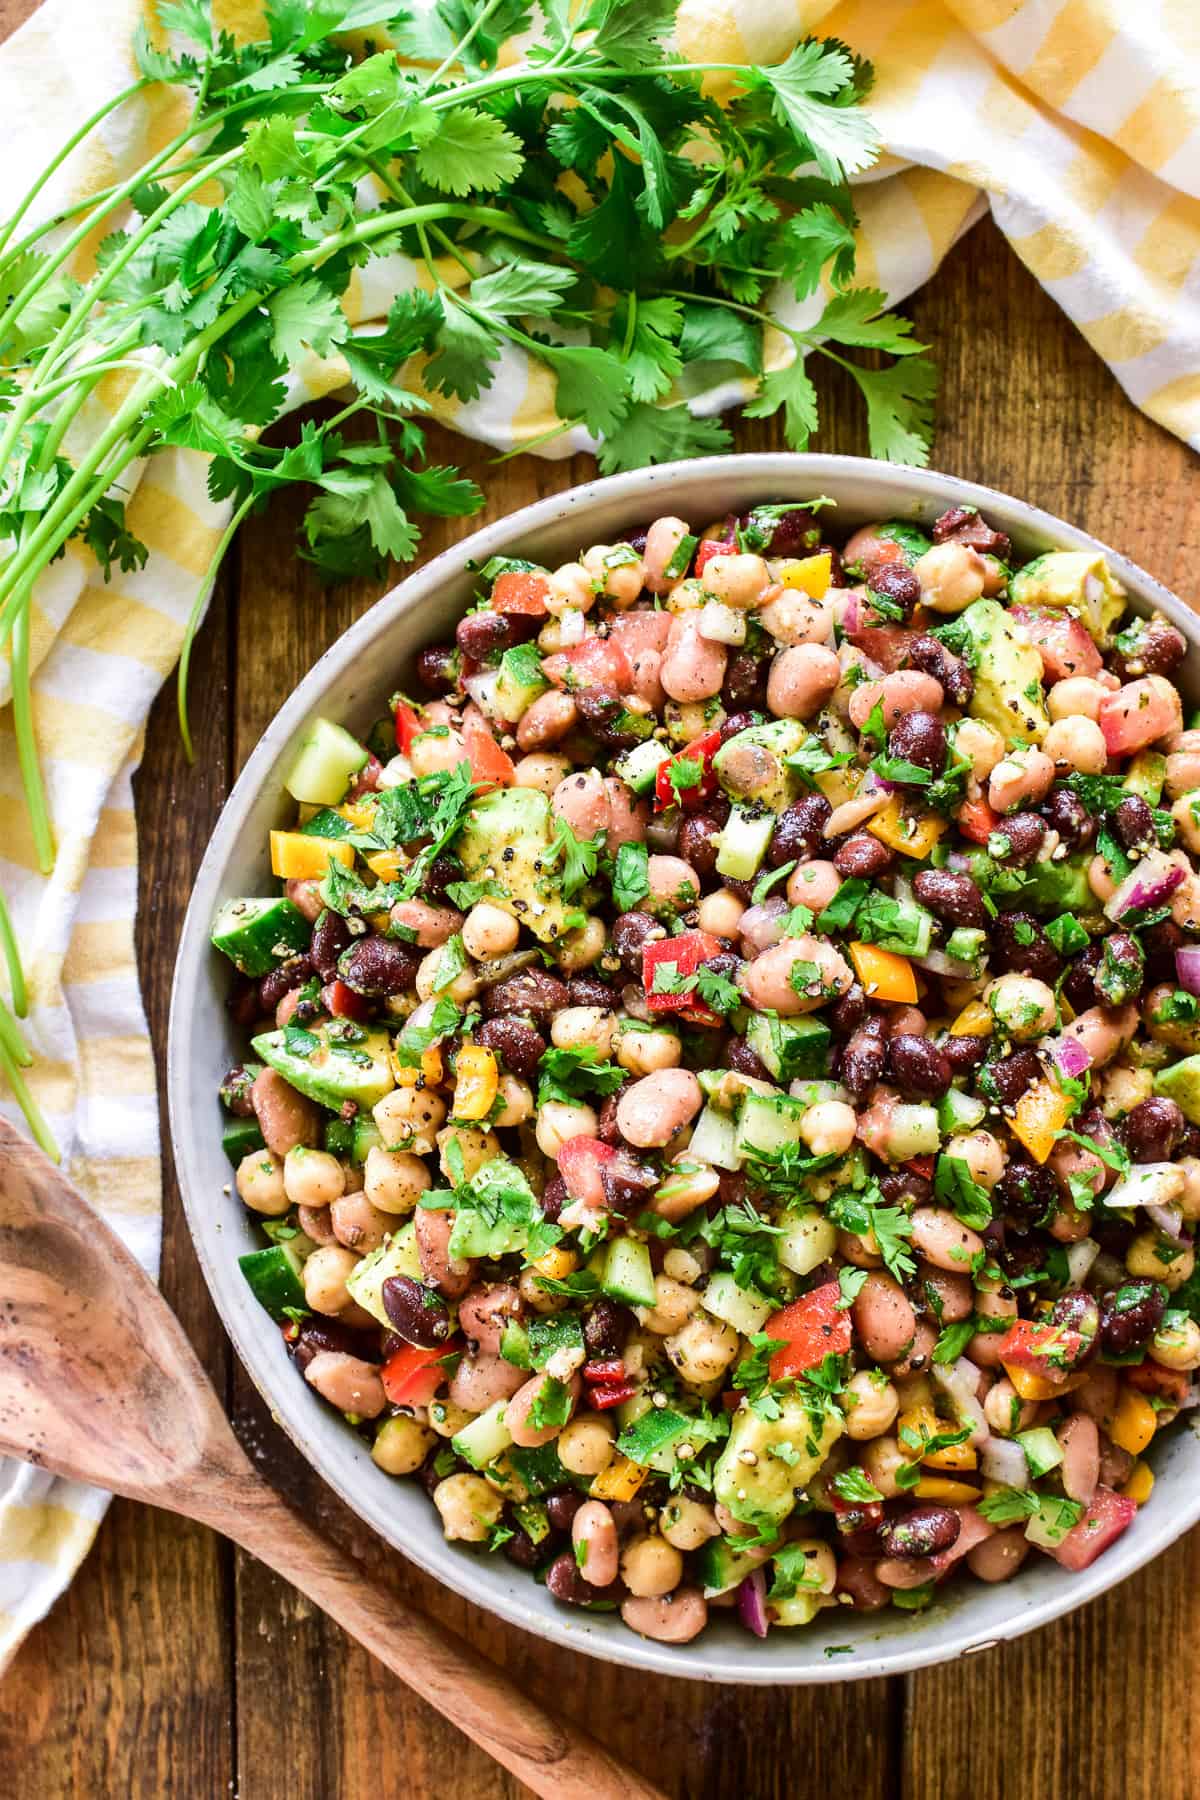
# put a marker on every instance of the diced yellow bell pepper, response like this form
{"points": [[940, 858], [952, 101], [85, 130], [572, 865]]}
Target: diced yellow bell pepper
{"points": [[359, 814], [1041, 1115], [409, 1075], [620, 1481], [808, 574], [296, 857], [386, 864], [839, 785], [1140, 1484], [885, 975], [952, 1493], [1030, 1386], [923, 1422], [1133, 1422], [557, 1263], [477, 1082], [906, 834], [975, 1020]]}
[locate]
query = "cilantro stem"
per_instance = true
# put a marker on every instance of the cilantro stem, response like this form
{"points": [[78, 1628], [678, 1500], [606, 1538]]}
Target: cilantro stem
{"points": [[89, 125], [27, 756], [455, 56], [203, 593], [12, 957], [42, 1134]]}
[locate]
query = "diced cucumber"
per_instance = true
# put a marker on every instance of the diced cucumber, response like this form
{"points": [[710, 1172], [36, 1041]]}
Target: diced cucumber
{"points": [[533, 1519], [815, 1093], [519, 682], [638, 768], [485, 1438], [1052, 1521], [632, 1409], [364, 1137], [720, 1567], [959, 1112], [808, 1240], [239, 1138], [714, 1140], [540, 1469], [652, 1440], [743, 842], [626, 1274], [966, 944], [548, 1336], [514, 1344], [789, 1048], [258, 935], [326, 762], [766, 1123], [339, 1137], [737, 1306], [398, 1256], [1042, 1450], [274, 1278], [914, 1132]]}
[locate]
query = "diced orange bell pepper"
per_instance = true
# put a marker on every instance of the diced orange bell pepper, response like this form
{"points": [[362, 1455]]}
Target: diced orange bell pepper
{"points": [[975, 1020], [408, 1074], [1030, 1386], [620, 1481], [884, 974], [477, 1081], [1133, 1422], [386, 864], [907, 834], [808, 574], [297, 857], [359, 814], [1041, 1115], [923, 1422], [951, 1493], [1140, 1484]]}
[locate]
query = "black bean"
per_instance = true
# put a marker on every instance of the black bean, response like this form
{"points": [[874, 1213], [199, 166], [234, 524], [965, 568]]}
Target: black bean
{"points": [[628, 1185], [562, 1507], [607, 1129], [743, 1060], [1189, 1140], [482, 633], [1010, 1076], [605, 1330], [963, 1053], [837, 573], [745, 683], [963, 525], [863, 856], [924, 1531], [589, 990], [316, 1335], [933, 658], [631, 931], [378, 965], [331, 935], [798, 832], [532, 992], [519, 1047], [951, 896], [901, 1186], [1024, 833], [792, 533], [848, 1013], [1122, 969], [732, 723], [418, 1313], [604, 713], [235, 1093], [918, 1066], [1133, 822], [281, 981], [521, 1550], [1066, 814], [863, 1058], [1020, 946], [428, 1474], [1079, 982], [1027, 1194], [554, 1198], [662, 832], [1130, 1315], [732, 1191], [896, 582], [1152, 1130], [438, 876], [565, 1582], [438, 668], [1078, 1311], [1160, 942], [1148, 647], [919, 737], [697, 843]]}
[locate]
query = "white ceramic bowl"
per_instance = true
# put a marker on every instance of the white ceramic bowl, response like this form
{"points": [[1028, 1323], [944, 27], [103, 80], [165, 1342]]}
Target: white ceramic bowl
{"points": [[351, 682]]}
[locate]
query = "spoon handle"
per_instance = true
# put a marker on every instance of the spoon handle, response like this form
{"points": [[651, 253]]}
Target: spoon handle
{"points": [[552, 1756]]}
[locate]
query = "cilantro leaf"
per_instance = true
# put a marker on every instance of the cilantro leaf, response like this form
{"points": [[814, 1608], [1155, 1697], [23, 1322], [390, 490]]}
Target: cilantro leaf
{"points": [[631, 876], [840, 139], [792, 389], [471, 150], [899, 408], [655, 434]]}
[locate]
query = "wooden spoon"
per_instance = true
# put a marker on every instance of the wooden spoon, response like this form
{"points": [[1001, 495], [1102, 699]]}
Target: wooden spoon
{"points": [[99, 1383]]}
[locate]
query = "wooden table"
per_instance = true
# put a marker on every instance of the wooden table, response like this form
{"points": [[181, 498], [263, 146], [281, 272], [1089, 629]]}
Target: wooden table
{"points": [[178, 1669]]}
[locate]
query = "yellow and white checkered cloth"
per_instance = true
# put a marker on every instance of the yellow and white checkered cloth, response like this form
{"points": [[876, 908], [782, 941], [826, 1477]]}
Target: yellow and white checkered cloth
{"points": [[1077, 121]]}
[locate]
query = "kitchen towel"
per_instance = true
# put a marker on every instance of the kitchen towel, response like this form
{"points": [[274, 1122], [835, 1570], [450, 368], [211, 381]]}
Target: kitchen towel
{"points": [[1076, 121]]}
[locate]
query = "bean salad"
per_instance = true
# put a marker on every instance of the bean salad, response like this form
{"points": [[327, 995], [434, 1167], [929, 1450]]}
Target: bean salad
{"points": [[722, 1091]]}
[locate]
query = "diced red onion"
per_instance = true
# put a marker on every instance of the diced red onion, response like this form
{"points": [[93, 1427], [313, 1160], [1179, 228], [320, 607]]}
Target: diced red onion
{"points": [[482, 689], [1002, 1460], [849, 618], [1187, 968], [1069, 1056], [752, 1603], [762, 925], [1148, 1185], [902, 890], [1150, 882], [1169, 1220], [960, 1381], [936, 962]]}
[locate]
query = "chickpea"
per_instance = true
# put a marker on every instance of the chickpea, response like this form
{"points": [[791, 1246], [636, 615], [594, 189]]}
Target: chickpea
{"points": [[1145, 1257], [687, 1523], [703, 1349], [1122, 1088], [259, 1182], [468, 1506], [312, 1177], [951, 576], [580, 948], [1189, 1201], [793, 618], [1077, 697], [1022, 1006], [1005, 1411], [617, 571], [652, 1110], [410, 1117], [576, 1026], [820, 1565], [446, 1419], [720, 913], [828, 1128], [1186, 813], [802, 679], [738, 579], [348, 1383], [650, 1566], [1177, 1345], [662, 541], [489, 931], [673, 1306], [324, 1277], [587, 1444], [874, 1406], [646, 1052], [534, 1295], [559, 1120], [813, 884], [476, 1147], [1183, 767], [881, 1459], [674, 884], [434, 753], [570, 589], [983, 1154], [688, 596], [1077, 743], [516, 1102], [394, 1180], [681, 1265], [981, 744], [401, 1445], [1021, 778], [541, 771], [432, 983]]}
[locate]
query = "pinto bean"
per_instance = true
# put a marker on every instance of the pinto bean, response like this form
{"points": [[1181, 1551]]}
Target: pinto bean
{"points": [[479, 1381], [905, 691], [998, 1557], [802, 679], [766, 982], [306, 898], [944, 1240], [627, 816], [533, 992], [348, 1383], [358, 1224], [546, 721], [662, 541], [594, 1537], [667, 1618], [486, 1311], [519, 1414], [582, 800], [857, 1579], [451, 1275], [285, 1117], [652, 1110], [693, 668], [883, 1318], [1079, 1440]]}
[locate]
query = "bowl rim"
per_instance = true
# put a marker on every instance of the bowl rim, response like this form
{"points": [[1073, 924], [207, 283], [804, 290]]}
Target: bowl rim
{"points": [[289, 1401]]}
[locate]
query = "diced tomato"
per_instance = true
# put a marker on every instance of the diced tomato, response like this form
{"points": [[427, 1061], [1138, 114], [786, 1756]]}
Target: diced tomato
{"points": [[812, 1327], [886, 645], [682, 955], [1063, 642], [1152, 1378], [521, 591], [597, 662], [637, 631], [491, 766], [855, 1515], [408, 726], [972, 1530], [367, 779], [701, 750], [921, 1165], [344, 1003], [1101, 1525], [726, 545], [580, 1163], [977, 820], [413, 1376], [1139, 714], [1050, 1351]]}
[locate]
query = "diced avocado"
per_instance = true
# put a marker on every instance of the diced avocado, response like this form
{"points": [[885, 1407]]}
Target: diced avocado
{"points": [[798, 1609], [274, 1278], [720, 1566], [777, 740], [1008, 675], [239, 1138], [1181, 1083], [807, 1239], [326, 762], [957, 1111], [257, 935], [398, 1256], [533, 1519], [485, 1438], [966, 944], [638, 768], [904, 926], [743, 841], [626, 1274], [1079, 579], [714, 1140], [1057, 887], [745, 1311], [790, 1049], [914, 1132], [335, 1071], [519, 682], [1146, 774], [765, 1489], [339, 1137], [505, 838], [766, 1123]]}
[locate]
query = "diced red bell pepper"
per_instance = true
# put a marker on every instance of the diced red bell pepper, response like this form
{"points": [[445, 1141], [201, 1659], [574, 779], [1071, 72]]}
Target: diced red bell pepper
{"points": [[725, 545], [600, 1399], [1050, 1351], [812, 1328], [855, 1515], [921, 1165], [343, 1002], [684, 954], [408, 726], [521, 591], [1063, 642], [491, 766], [596, 662], [581, 1161], [413, 1376], [977, 820], [1101, 1525], [701, 750], [612, 1369], [1152, 1378]]}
